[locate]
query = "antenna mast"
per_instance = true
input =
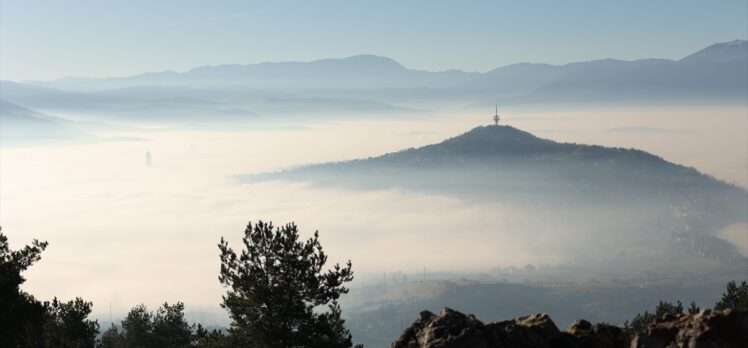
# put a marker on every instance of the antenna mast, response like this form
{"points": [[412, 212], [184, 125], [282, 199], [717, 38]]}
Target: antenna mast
{"points": [[496, 116]]}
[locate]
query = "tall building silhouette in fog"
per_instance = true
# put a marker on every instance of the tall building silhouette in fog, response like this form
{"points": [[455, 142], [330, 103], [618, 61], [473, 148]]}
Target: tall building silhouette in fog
{"points": [[148, 159]]}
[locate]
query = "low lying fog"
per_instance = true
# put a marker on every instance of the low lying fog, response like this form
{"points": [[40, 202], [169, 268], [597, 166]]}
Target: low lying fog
{"points": [[124, 233]]}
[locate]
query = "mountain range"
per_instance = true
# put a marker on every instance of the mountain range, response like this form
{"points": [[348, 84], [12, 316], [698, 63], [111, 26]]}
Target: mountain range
{"points": [[363, 84], [375, 72]]}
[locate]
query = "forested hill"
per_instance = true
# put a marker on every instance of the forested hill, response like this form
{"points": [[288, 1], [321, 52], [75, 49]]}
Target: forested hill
{"points": [[489, 143], [653, 207], [499, 159]]}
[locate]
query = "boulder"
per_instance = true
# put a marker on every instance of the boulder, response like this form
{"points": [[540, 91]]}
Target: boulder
{"points": [[449, 328], [601, 335]]}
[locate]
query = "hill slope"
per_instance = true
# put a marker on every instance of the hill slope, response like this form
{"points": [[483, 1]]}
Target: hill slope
{"points": [[628, 201], [495, 159], [22, 125], [720, 52]]}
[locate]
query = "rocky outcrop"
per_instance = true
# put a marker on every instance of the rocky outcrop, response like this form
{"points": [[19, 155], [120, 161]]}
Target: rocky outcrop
{"points": [[706, 329], [450, 328], [597, 335]]}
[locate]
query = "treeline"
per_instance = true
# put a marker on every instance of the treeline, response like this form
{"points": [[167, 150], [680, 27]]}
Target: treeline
{"points": [[735, 297], [276, 283], [166, 327]]}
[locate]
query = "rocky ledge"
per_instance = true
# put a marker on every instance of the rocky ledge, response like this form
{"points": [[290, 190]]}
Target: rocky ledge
{"points": [[450, 328]]}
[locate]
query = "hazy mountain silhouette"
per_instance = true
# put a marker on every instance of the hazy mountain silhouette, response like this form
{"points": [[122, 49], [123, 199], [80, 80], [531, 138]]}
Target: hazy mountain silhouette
{"points": [[46, 97], [669, 206], [362, 71], [719, 53], [19, 124], [322, 105], [23, 126], [718, 72], [505, 150], [714, 74], [141, 106]]}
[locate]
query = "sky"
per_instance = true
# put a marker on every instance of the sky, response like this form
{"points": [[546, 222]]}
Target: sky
{"points": [[44, 40]]}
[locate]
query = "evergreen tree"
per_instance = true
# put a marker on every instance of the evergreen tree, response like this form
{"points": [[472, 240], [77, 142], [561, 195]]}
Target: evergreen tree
{"points": [[693, 308], [138, 328], [66, 324], [641, 321], [665, 309], [170, 328], [27, 322], [212, 339], [112, 338], [735, 297], [331, 331], [28, 313], [164, 328], [275, 284]]}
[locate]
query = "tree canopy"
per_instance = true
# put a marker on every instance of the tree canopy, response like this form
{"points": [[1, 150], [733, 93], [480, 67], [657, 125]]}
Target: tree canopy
{"points": [[735, 297], [33, 323], [642, 320], [164, 328], [275, 284]]}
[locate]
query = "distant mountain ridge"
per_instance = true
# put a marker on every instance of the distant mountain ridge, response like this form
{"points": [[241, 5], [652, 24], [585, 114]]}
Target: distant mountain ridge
{"points": [[720, 52], [718, 72], [374, 86], [362, 70], [716, 53], [19, 124]]}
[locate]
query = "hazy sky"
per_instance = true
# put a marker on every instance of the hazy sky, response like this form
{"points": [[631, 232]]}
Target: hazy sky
{"points": [[52, 39]]}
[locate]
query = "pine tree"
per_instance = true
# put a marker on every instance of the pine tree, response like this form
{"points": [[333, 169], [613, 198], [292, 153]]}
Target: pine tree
{"points": [[276, 283], [641, 321], [28, 313], [735, 297], [27, 322], [170, 328]]}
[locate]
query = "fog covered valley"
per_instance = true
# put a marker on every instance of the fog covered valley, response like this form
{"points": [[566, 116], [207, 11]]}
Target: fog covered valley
{"points": [[596, 209], [412, 247]]}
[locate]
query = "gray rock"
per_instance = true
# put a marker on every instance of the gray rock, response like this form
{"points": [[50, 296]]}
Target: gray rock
{"points": [[451, 328]]}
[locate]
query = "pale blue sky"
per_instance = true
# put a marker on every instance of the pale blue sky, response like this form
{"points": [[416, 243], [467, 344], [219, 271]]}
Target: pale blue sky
{"points": [[52, 39]]}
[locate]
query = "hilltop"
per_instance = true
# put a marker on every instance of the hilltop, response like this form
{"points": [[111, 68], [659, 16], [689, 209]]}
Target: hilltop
{"points": [[502, 159], [645, 208]]}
